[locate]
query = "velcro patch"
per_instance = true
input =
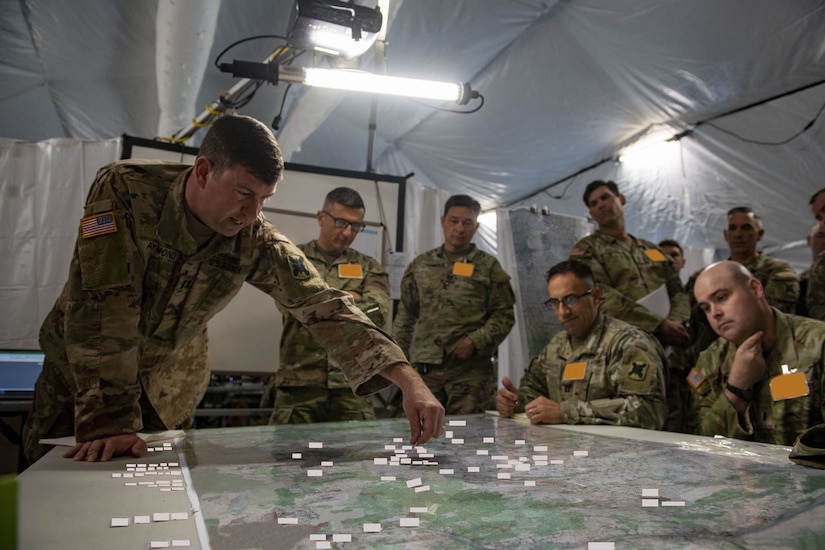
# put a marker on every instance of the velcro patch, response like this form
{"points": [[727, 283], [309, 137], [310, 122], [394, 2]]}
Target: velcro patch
{"points": [[298, 268], [99, 224]]}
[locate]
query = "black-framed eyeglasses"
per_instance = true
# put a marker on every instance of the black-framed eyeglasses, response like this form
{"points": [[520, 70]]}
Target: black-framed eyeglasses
{"points": [[341, 223], [571, 300]]}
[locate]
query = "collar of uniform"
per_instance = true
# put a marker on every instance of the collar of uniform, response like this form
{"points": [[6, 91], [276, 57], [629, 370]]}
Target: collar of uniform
{"points": [[612, 239], [469, 254], [590, 346], [312, 252], [785, 347]]}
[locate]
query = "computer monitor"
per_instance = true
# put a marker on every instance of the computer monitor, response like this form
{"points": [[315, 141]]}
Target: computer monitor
{"points": [[19, 370]]}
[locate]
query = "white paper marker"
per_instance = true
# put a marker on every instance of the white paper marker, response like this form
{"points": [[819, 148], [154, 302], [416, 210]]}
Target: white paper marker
{"points": [[650, 502], [342, 537], [651, 493], [414, 483], [409, 522], [458, 422], [120, 522], [316, 444], [287, 521], [372, 527]]}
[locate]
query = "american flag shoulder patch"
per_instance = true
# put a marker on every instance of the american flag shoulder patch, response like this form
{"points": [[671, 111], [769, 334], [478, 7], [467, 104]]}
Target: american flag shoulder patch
{"points": [[695, 378], [99, 224]]}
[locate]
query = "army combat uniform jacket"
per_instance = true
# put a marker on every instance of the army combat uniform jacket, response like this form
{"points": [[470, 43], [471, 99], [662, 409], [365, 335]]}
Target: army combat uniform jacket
{"points": [[447, 306], [622, 382], [139, 292], [304, 361], [624, 275], [815, 299], [800, 344]]}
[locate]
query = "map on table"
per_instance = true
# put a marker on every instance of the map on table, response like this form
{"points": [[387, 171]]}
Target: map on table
{"points": [[494, 483]]}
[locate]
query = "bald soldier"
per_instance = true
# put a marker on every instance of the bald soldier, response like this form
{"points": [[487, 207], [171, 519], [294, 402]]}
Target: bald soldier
{"points": [[599, 370], [161, 248], [310, 386], [762, 380]]}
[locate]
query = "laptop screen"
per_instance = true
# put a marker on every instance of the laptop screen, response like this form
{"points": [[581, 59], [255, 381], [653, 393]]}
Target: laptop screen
{"points": [[19, 370]]}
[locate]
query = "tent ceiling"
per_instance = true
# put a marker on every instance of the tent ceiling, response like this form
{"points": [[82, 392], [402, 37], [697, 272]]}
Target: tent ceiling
{"points": [[565, 83]]}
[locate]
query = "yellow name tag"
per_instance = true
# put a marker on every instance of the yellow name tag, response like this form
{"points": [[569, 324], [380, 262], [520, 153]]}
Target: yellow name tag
{"points": [[789, 386], [350, 271], [654, 255], [574, 371], [463, 269]]}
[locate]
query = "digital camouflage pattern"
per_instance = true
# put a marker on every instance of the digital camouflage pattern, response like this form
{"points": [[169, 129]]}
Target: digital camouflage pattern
{"points": [[135, 299], [800, 344], [440, 308], [310, 404], [304, 361], [623, 382], [447, 307], [624, 275], [815, 299]]}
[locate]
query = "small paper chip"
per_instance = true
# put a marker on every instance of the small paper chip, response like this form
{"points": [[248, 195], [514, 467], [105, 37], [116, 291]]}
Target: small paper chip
{"points": [[650, 493], [315, 473], [120, 522], [482, 452], [540, 448], [458, 422], [379, 461], [601, 546], [387, 478], [673, 503], [414, 483], [529, 482], [160, 516], [372, 527], [316, 445], [520, 442], [287, 521], [342, 537], [418, 509], [159, 544], [650, 503], [317, 536], [326, 463], [446, 471], [181, 543], [503, 475], [473, 469], [489, 440], [323, 545], [296, 455], [142, 519], [409, 522], [580, 453], [422, 488]]}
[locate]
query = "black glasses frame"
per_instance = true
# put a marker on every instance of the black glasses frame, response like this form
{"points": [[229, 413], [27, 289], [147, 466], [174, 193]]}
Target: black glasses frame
{"points": [[571, 300], [341, 223]]}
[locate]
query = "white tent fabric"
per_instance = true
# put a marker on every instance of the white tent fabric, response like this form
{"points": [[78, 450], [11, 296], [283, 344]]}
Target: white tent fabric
{"points": [[42, 190], [566, 85]]}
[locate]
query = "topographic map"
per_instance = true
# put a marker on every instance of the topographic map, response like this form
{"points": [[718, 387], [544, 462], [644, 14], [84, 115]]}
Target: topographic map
{"points": [[496, 483]]}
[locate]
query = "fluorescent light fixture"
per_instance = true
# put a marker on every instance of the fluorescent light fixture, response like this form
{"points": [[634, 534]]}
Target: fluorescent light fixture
{"points": [[360, 81], [356, 81]]}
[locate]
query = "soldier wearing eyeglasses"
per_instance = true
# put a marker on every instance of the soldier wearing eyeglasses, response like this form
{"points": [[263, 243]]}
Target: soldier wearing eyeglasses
{"points": [[456, 307], [599, 370], [310, 386]]}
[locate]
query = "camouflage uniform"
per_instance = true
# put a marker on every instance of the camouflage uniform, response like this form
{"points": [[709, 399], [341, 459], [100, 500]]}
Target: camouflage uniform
{"points": [[136, 298], [815, 299], [624, 275], [447, 307], [310, 386], [624, 379], [800, 344]]}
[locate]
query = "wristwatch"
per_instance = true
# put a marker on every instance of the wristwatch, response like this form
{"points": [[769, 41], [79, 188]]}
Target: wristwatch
{"points": [[746, 394]]}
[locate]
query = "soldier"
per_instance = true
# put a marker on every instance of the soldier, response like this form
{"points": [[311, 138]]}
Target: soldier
{"points": [[815, 297], [762, 380], [628, 269], [674, 251], [162, 247], [778, 277], [638, 283], [309, 385], [816, 242], [599, 370], [462, 303]]}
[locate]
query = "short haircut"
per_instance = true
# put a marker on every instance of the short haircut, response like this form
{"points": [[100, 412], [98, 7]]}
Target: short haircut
{"points": [[345, 197], [595, 184], [462, 200], [673, 243], [242, 140], [746, 210], [579, 269], [815, 195]]}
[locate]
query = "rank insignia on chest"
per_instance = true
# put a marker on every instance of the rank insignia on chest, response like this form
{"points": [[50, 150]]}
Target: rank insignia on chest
{"points": [[99, 224], [654, 255], [350, 271], [638, 371], [298, 267]]}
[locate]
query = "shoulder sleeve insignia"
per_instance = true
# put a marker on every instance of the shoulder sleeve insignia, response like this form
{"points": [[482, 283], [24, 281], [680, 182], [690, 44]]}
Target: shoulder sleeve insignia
{"points": [[298, 267], [638, 371], [101, 224], [695, 378]]}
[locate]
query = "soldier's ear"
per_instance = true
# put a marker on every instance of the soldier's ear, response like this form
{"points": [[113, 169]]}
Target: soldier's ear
{"points": [[203, 166]]}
